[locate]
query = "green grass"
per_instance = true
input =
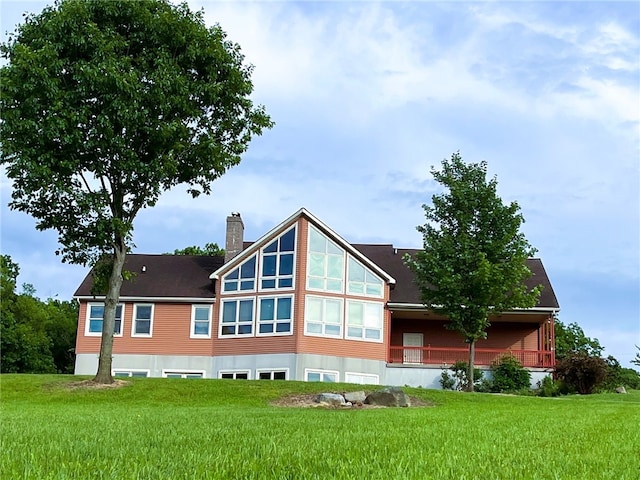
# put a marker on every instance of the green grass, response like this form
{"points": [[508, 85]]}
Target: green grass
{"points": [[184, 429]]}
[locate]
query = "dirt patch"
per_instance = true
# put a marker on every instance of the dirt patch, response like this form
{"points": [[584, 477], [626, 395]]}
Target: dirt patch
{"points": [[307, 400], [91, 385]]}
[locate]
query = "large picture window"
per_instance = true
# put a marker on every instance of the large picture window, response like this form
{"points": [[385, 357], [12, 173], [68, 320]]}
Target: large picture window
{"points": [[277, 262], [362, 281], [275, 317], [142, 320], [323, 316], [242, 278], [325, 265], [237, 317], [95, 318], [364, 321]]}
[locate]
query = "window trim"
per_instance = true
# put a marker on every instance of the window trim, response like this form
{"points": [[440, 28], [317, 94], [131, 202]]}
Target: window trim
{"points": [[277, 277], [134, 320], [346, 321], [272, 371], [183, 372], [324, 299], [307, 371], [253, 317], [88, 333], [192, 333], [234, 372], [130, 371], [374, 375], [258, 309]]}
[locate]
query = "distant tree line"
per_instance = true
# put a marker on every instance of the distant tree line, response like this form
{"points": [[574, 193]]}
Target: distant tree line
{"points": [[35, 336]]}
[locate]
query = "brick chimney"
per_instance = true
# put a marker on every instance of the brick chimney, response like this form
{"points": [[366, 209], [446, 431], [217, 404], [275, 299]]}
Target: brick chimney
{"points": [[235, 236]]}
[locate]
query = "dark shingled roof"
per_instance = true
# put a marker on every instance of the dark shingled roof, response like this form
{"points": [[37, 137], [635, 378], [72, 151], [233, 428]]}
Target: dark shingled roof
{"points": [[406, 291], [187, 276], [165, 276]]}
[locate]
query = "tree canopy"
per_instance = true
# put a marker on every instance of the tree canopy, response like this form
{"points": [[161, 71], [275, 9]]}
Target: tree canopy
{"points": [[106, 105], [211, 249], [473, 261], [571, 339]]}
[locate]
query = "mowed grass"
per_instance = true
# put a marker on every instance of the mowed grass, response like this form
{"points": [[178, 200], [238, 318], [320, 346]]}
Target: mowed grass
{"points": [[226, 429]]}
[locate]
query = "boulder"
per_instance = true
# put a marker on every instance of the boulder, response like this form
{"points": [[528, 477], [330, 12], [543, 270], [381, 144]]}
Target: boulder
{"points": [[388, 397], [621, 390], [355, 397], [331, 399]]}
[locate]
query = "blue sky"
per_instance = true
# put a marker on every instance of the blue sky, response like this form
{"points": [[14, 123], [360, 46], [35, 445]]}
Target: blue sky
{"points": [[366, 96]]}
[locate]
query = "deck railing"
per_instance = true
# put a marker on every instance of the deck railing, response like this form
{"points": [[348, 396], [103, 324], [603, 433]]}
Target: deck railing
{"points": [[449, 356]]}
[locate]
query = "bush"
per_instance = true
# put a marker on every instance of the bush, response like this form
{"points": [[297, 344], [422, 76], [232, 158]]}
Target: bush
{"points": [[459, 381], [548, 387], [581, 372], [509, 375]]}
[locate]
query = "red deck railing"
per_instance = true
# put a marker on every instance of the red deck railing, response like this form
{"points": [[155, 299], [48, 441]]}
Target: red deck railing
{"points": [[449, 356]]}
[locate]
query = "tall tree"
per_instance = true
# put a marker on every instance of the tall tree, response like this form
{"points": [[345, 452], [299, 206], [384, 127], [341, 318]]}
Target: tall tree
{"points": [[105, 106], [473, 263]]}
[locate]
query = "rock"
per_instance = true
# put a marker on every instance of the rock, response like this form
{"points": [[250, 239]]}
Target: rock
{"points": [[388, 397], [621, 390], [330, 399], [355, 397]]}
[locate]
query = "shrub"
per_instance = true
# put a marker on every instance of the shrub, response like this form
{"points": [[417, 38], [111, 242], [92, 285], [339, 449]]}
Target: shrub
{"points": [[459, 381], [509, 375], [548, 387], [581, 372]]}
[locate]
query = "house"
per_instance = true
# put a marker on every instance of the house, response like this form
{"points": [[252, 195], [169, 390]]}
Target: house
{"points": [[300, 303]]}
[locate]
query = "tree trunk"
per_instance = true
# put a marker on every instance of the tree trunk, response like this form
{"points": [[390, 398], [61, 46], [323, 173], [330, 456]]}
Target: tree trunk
{"points": [[472, 354], [108, 323]]}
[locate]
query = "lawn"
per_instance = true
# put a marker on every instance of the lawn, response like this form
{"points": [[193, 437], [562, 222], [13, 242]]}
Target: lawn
{"points": [[227, 429]]}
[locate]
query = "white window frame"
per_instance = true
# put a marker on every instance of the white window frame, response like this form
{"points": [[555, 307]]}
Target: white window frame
{"points": [[271, 371], [237, 323], [323, 322], [88, 333], [223, 289], [134, 318], [117, 372], [363, 338], [183, 373], [277, 277], [258, 322], [325, 278], [371, 376], [364, 283], [234, 372], [322, 373], [194, 307]]}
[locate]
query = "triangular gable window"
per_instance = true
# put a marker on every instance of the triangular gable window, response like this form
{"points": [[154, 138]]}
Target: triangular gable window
{"points": [[242, 279]]}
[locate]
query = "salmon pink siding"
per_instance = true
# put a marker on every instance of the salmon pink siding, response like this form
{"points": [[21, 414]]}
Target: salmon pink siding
{"points": [[170, 332]]}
